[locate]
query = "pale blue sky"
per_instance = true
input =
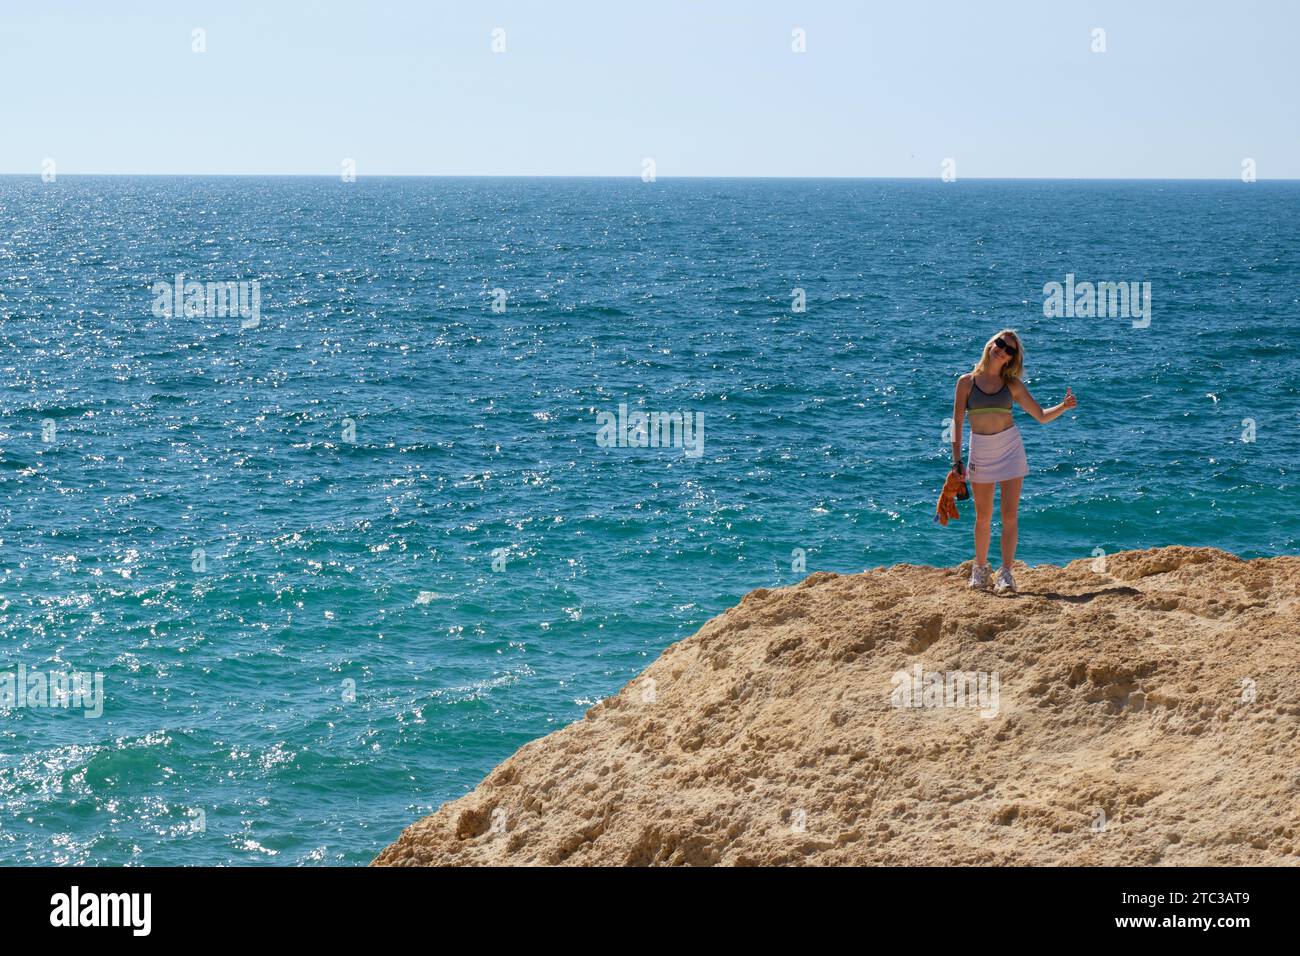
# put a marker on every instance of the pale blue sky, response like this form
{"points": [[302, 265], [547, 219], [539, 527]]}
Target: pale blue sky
{"points": [[1006, 88]]}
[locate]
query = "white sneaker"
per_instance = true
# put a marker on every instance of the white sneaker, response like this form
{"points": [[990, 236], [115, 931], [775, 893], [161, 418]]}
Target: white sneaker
{"points": [[980, 576], [1005, 582]]}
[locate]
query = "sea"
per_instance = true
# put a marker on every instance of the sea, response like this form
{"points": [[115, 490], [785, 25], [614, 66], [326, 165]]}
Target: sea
{"points": [[321, 498]]}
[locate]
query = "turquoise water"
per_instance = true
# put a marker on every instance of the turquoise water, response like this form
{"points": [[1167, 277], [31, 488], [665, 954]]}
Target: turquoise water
{"points": [[344, 657]]}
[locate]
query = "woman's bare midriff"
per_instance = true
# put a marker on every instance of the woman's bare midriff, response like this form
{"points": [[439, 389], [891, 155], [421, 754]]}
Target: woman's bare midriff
{"points": [[986, 427]]}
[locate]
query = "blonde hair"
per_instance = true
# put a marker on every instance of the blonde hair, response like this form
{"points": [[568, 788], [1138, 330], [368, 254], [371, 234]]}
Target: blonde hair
{"points": [[1013, 369]]}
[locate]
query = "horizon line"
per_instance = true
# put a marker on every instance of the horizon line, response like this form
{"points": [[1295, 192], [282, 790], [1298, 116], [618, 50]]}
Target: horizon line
{"points": [[636, 177]]}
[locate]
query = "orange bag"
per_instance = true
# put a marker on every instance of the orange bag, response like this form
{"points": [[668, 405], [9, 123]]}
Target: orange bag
{"points": [[947, 506]]}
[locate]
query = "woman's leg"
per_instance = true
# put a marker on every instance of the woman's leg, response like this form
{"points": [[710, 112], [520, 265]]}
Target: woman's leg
{"points": [[1010, 515], [982, 492]]}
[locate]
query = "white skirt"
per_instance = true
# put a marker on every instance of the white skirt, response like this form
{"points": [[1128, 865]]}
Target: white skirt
{"points": [[998, 457]]}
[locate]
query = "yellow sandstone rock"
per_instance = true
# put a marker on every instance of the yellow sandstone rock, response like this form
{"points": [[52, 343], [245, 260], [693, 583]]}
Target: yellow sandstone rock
{"points": [[1147, 712]]}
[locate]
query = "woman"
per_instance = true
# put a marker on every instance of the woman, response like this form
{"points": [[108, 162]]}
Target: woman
{"points": [[997, 455]]}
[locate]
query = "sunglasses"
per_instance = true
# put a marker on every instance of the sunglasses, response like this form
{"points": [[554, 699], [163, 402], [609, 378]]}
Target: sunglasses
{"points": [[1005, 347]]}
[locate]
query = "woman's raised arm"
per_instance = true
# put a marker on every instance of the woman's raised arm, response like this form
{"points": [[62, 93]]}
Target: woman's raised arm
{"points": [[1021, 394]]}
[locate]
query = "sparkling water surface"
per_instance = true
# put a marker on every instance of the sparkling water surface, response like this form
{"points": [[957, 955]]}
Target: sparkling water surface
{"points": [[309, 638]]}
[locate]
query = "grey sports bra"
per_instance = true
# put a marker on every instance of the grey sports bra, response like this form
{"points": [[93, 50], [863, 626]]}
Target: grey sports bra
{"points": [[979, 400]]}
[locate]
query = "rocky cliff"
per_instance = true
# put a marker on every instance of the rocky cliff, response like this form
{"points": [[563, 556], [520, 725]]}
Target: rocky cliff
{"points": [[1143, 708]]}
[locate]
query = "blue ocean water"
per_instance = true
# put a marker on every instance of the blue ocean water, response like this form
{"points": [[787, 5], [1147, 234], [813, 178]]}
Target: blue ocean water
{"points": [[336, 566]]}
